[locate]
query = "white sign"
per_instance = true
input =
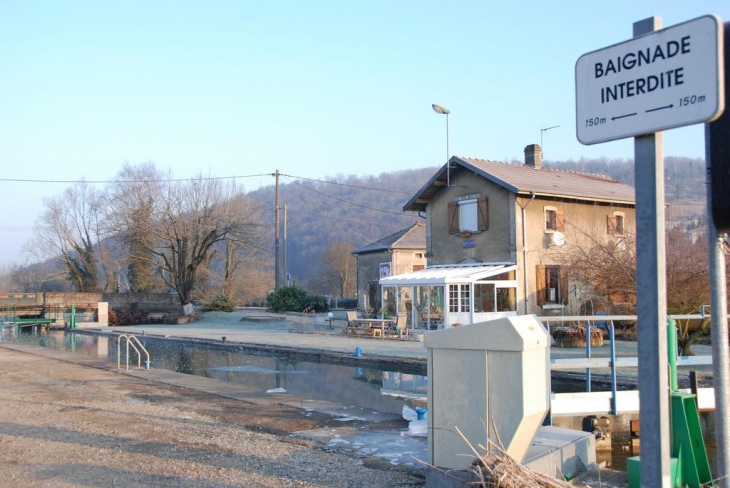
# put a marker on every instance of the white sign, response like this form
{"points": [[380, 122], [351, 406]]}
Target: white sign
{"points": [[666, 79]]}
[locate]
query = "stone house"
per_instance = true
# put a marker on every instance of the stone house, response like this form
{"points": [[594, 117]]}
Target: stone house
{"points": [[401, 252], [497, 234]]}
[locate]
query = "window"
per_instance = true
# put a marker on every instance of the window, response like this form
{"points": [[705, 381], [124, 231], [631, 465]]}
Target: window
{"points": [[489, 298], [418, 255], [615, 224], [506, 299], [468, 215], [552, 285], [459, 298], [484, 297], [554, 220], [418, 267]]}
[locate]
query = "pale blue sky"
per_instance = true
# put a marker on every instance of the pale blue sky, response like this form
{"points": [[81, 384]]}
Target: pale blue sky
{"points": [[312, 88]]}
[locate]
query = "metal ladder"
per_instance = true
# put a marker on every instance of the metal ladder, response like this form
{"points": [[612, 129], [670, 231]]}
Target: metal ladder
{"points": [[136, 345]]}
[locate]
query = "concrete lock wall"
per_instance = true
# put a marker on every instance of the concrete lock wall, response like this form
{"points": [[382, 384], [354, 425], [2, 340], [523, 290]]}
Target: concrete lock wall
{"points": [[491, 381]]}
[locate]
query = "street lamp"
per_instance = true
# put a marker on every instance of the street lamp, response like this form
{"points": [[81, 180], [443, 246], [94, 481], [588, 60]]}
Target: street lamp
{"points": [[440, 109]]}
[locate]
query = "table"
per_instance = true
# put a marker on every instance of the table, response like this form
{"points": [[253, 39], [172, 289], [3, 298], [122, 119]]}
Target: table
{"points": [[374, 327]]}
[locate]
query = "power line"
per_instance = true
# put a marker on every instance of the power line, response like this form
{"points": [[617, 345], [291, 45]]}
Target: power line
{"points": [[348, 185], [401, 214], [168, 180]]}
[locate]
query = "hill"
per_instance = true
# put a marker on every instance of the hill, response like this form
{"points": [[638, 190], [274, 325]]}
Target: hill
{"points": [[352, 209], [361, 210]]}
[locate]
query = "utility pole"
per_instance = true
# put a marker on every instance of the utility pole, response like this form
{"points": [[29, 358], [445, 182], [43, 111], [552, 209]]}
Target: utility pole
{"points": [[277, 273], [286, 269]]}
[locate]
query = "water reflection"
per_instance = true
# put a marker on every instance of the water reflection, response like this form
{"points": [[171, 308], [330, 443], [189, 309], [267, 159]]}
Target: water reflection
{"points": [[383, 391]]}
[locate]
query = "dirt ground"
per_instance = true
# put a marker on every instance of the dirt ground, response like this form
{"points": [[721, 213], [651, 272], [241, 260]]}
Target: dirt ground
{"points": [[67, 425]]}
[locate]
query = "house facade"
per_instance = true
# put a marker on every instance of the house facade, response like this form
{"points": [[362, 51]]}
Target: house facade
{"points": [[398, 253], [526, 216]]}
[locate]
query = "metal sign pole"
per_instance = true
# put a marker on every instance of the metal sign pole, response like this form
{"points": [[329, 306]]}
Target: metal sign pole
{"points": [[651, 299], [717, 159]]}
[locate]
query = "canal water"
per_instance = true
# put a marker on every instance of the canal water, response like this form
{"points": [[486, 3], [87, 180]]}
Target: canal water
{"points": [[380, 390]]}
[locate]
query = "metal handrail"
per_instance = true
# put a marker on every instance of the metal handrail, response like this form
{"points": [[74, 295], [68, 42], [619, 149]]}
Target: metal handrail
{"points": [[588, 362], [131, 339]]}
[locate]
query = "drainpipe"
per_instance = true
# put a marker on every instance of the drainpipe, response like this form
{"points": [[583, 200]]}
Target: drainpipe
{"points": [[524, 249]]}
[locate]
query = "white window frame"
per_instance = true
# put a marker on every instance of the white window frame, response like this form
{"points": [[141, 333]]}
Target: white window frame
{"points": [[459, 298], [469, 215], [546, 211]]}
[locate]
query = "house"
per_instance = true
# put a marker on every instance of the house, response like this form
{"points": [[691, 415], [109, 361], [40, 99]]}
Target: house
{"points": [[401, 252], [497, 235]]}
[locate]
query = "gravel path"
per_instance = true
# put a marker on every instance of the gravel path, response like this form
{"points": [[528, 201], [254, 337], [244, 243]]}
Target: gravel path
{"points": [[67, 425]]}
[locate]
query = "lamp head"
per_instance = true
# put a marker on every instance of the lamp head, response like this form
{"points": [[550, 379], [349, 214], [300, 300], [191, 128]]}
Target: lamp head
{"points": [[440, 109]]}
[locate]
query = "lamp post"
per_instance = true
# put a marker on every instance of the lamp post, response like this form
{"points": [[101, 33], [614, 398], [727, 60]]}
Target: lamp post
{"points": [[440, 109]]}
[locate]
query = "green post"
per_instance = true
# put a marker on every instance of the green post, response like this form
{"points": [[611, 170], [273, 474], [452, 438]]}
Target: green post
{"points": [[73, 316], [672, 353]]}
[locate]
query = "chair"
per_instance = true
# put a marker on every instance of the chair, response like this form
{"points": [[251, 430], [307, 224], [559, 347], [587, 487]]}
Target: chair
{"points": [[351, 325], [401, 326]]}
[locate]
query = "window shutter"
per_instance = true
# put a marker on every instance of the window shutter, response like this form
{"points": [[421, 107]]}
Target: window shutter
{"points": [[453, 218], [611, 225], [483, 217], [560, 221], [541, 291], [563, 298]]}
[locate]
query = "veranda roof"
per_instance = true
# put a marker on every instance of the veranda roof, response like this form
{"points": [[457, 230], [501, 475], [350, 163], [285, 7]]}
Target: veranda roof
{"points": [[444, 274]]}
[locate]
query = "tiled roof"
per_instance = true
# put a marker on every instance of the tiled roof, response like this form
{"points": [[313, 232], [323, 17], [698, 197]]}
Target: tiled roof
{"points": [[413, 237], [524, 179]]}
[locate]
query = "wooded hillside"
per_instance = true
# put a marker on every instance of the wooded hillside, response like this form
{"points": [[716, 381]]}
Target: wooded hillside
{"points": [[360, 210], [364, 209]]}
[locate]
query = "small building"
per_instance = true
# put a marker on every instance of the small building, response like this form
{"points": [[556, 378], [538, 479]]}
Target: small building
{"points": [[401, 252], [497, 237]]}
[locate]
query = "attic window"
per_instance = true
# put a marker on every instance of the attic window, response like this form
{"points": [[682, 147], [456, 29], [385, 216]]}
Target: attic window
{"points": [[468, 215], [615, 224], [554, 220]]}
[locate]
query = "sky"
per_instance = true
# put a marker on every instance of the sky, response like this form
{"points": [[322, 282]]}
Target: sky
{"points": [[311, 88]]}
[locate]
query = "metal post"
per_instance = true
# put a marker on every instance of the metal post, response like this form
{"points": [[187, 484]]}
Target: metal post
{"points": [[720, 353], [286, 269], [588, 355], [612, 353], [672, 353], [717, 145], [651, 299], [277, 270]]}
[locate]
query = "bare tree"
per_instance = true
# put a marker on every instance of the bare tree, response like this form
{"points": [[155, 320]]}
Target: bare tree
{"points": [[236, 265], [606, 271], [340, 269], [133, 203], [175, 225], [71, 227]]}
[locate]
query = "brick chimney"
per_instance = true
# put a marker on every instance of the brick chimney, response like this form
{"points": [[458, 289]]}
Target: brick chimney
{"points": [[533, 156]]}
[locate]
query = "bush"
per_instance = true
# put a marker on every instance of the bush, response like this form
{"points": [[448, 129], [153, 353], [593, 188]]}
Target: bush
{"points": [[296, 299], [220, 303], [317, 304], [287, 299]]}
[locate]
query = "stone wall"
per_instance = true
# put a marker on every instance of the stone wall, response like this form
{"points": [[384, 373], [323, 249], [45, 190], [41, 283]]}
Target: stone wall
{"points": [[147, 302]]}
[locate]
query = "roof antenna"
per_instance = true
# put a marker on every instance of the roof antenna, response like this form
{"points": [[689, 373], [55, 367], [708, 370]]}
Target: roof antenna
{"points": [[542, 131]]}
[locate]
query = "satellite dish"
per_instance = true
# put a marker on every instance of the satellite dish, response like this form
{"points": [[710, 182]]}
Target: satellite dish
{"points": [[558, 239], [621, 245]]}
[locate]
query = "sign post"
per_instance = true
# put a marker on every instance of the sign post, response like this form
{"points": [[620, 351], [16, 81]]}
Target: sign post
{"points": [[717, 159], [659, 80]]}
